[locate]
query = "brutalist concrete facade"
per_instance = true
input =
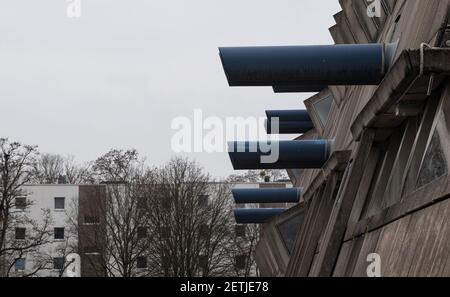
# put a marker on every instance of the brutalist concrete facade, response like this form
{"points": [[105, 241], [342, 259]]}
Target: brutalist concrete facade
{"points": [[385, 189]]}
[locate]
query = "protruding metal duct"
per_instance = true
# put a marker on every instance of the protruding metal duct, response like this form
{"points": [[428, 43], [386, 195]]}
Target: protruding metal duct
{"points": [[304, 154], [307, 66], [297, 89], [299, 115], [289, 122], [284, 195], [288, 127], [256, 215]]}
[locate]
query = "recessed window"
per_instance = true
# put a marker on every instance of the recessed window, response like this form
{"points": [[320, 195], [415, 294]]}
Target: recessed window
{"points": [[204, 230], [142, 202], [240, 261], [90, 250], [20, 233], [141, 262], [203, 261], [58, 263], [165, 232], [59, 233], [323, 108], [20, 203], [60, 203], [91, 220], [240, 230], [19, 264], [203, 200], [142, 232]]}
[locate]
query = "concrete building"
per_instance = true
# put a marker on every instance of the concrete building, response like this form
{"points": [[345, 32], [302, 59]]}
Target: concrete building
{"points": [[70, 226], [382, 196]]}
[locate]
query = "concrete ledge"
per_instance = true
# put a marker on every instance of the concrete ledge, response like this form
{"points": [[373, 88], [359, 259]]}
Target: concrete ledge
{"points": [[337, 163], [402, 83]]}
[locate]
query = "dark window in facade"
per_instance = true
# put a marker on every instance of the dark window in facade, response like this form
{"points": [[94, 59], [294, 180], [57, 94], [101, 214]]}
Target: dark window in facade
{"points": [[240, 261], [203, 261], [90, 250], [203, 200], [60, 203], [141, 262], [19, 264], [166, 203], [434, 164], [240, 230], [288, 230], [20, 233], [91, 220], [20, 203], [58, 263], [165, 232], [204, 230], [142, 202], [142, 232], [59, 233]]}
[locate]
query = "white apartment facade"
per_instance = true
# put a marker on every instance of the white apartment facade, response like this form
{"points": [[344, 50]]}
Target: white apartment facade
{"points": [[60, 202]]}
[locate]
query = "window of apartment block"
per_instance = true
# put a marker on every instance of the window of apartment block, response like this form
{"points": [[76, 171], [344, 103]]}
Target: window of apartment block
{"points": [[204, 230], [20, 233], [19, 264], [58, 263], [60, 203], [165, 232], [142, 232], [203, 200], [91, 220], [319, 108], [142, 202], [240, 261], [141, 262], [203, 261], [240, 230], [59, 233], [20, 203], [90, 250]]}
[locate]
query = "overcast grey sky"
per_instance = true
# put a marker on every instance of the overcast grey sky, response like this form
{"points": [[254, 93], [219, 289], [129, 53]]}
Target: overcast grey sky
{"points": [[117, 76]]}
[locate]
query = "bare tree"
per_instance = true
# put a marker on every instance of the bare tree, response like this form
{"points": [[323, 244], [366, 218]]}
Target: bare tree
{"points": [[170, 221], [257, 176], [191, 219], [16, 169], [54, 169], [115, 239], [48, 168], [117, 166], [75, 173]]}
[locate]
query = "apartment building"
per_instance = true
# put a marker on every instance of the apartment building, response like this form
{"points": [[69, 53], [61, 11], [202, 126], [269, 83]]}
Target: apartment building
{"points": [[71, 223]]}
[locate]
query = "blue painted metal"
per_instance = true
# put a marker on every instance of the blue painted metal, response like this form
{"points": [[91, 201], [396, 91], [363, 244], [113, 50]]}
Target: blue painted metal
{"points": [[289, 127], [256, 215], [289, 115], [305, 154], [289, 121], [283, 195], [306, 67], [297, 89]]}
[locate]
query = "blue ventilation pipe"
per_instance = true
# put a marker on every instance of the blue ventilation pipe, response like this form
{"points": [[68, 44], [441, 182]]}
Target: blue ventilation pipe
{"points": [[256, 215], [258, 195], [307, 68], [289, 121], [297, 89], [296, 154]]}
